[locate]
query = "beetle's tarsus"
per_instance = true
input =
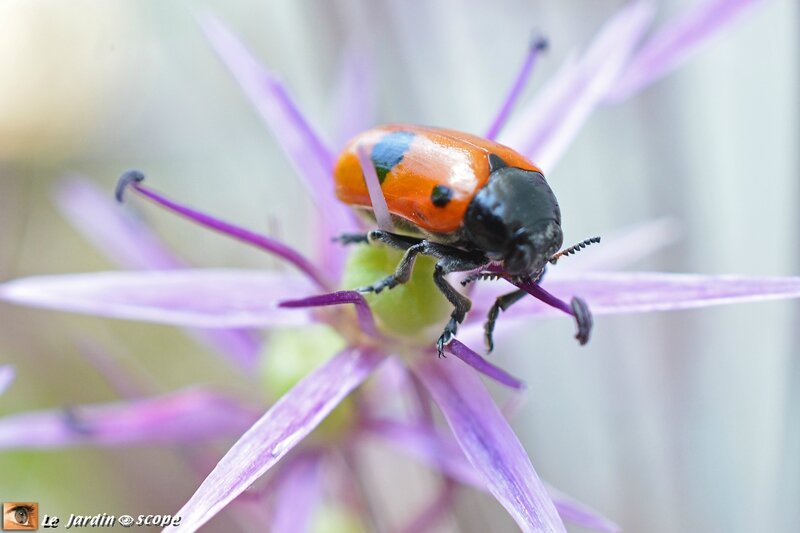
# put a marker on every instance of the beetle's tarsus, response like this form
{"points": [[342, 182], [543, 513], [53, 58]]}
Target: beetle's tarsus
{"points": [[352, 238], [447, 336]]}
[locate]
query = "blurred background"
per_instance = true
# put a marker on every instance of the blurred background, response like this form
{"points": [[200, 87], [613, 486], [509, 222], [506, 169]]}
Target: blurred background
{"points": [[683, 421]]}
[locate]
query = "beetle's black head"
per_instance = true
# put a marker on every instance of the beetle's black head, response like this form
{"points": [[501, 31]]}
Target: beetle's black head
{"points": [[515, 218]]}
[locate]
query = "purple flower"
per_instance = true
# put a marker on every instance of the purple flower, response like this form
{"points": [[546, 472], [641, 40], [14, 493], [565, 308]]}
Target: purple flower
{"points": [[483, 450]]}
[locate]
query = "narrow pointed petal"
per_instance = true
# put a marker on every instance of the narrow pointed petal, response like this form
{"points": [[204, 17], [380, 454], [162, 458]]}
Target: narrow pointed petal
{"points": [[624, 247], [309, 154], [482, 365], [640, 292], [363, 312], [7, 375], [186, 416], [376, 198], [354, 95], [196, 298], [304, 146], [130, 243], [440, 452], [297, 495], [676, 42], [489, 443], [581, 514], [133, 180], [122, 237], [287, 422], [545, 128], [425, 444], [537, 46]]}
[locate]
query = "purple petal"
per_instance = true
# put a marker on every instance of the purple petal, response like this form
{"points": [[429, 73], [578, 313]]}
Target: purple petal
{"points": [[354, 93], [268, 244], [293, 417], [186, 416], [482, 365], [131, 244], [296, 495], [538, 45], [433, 511], [309, 154], [489, 443], [376, 197], [640, 292], [425, 444], [197, 298], [581, 514], [624, 247], [363, 312], [120, 236], [7, 375], [546, 127], [440, 452], [676, 42]]}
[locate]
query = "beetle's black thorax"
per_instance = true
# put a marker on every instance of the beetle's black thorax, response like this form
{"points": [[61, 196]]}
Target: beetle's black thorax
{"points": [[514, 218]]}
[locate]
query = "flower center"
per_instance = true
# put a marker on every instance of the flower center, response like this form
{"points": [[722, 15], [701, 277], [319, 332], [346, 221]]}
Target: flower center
{"points": [[406, 310]]}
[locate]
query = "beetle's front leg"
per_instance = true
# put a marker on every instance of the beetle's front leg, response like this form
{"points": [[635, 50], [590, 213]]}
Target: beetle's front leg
{"points": [[451, 260], [401, 242]]}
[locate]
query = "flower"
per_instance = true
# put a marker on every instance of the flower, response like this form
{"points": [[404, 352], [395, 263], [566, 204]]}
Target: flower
{"points": [[257, 299]]}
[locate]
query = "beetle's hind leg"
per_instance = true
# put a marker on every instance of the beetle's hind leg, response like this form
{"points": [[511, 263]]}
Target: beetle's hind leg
{"points": [[502, 303]]}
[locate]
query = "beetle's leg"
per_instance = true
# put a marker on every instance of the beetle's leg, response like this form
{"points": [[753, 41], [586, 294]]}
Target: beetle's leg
{"points": [[401, 242], [393, 240], [451, 260], [352, 238], [503, 302], [401, 274]]}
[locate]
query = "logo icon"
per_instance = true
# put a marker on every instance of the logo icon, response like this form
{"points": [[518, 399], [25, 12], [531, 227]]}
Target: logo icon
{"points": [[125, 520], [20, 516]]}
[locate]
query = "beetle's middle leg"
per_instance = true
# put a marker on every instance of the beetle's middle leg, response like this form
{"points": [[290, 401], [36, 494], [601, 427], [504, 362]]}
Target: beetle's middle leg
{"points": [[452, 260]]}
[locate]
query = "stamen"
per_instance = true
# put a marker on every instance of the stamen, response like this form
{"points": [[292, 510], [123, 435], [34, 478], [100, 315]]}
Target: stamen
{"points": [[133, 179], [538, 45], [363, 312], [376, 197], [128, 177], [577, 308], [574, 249]]}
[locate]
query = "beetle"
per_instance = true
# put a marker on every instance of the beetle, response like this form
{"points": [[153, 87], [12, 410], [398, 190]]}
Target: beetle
{"points": [[467, 201]]}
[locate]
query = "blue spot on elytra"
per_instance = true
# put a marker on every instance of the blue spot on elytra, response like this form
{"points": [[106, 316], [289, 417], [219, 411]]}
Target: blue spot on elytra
{"points": [[389, 151]]}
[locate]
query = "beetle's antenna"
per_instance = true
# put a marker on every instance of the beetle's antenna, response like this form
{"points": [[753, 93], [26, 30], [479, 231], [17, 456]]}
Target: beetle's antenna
{"points": [[475, 276], [574, 249]]}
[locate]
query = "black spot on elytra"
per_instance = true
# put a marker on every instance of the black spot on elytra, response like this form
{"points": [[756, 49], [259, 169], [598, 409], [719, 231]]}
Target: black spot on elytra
{"points": [[441, 195], [389, 151]]}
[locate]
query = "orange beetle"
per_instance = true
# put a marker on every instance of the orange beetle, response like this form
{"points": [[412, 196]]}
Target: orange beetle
{"points": [[467, 201]]}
